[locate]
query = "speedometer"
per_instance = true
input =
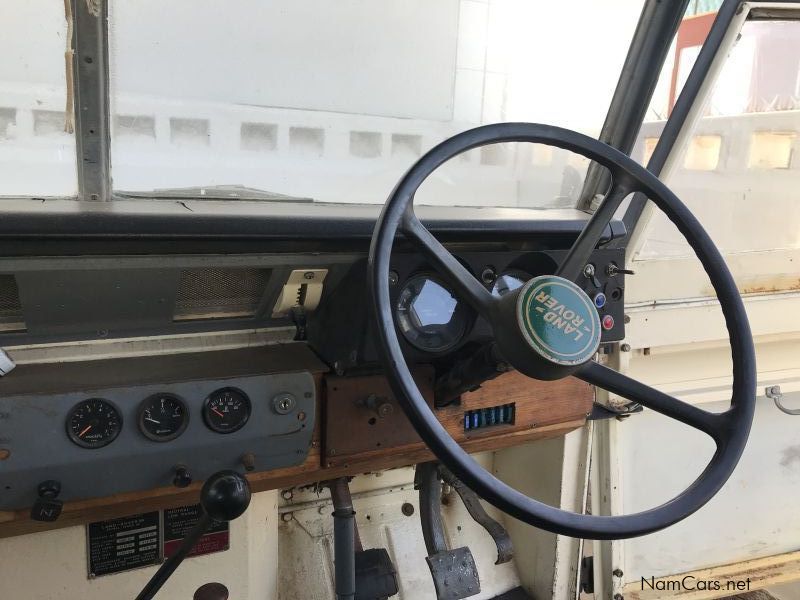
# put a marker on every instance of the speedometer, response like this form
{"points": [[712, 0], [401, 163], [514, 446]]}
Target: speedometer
{"points": [[429, 315]]}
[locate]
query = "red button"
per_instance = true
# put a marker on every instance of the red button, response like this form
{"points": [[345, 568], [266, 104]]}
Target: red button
{"points": [[608, 322]]}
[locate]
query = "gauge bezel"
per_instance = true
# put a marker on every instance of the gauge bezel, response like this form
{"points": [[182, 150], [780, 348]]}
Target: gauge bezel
{"points": [[168, 438], [92, 445], [461, 309], [207, 420]]}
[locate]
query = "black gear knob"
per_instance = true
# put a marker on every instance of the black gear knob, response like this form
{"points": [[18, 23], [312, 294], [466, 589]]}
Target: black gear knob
{"points": [[225, 495]]}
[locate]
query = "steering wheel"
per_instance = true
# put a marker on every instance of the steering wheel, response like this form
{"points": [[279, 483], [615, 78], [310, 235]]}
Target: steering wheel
{"points": [[548, 329]]}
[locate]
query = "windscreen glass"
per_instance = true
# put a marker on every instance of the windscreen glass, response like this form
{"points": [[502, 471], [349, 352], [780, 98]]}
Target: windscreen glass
{"points": [[37, 143], [737, 169], [332, 101]]}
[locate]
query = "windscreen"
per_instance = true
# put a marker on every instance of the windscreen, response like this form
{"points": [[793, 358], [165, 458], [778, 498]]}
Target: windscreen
{"points": [[37, 143], [737, 168], [325, 101]]}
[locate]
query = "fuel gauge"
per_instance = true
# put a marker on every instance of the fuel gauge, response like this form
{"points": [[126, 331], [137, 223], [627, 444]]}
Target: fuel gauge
{"points": [[163, 417]]}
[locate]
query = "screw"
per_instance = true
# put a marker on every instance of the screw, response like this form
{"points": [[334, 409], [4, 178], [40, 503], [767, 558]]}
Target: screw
{"points": [[625, 347], [618, 597], [286, 517], [393, 277], [407, 509], [309, 275], [385, 409], [617, 572], [287, 494], [332, 451], [588, 270]]}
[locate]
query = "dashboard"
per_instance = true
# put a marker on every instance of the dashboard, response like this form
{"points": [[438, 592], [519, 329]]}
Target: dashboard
{"points": [[151, 359]]}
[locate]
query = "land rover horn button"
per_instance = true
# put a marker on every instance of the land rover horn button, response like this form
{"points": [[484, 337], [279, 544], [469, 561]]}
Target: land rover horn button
{"points": [[558, 320]]}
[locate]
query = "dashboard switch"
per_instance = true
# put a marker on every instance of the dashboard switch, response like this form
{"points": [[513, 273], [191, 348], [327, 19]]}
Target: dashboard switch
{"points": [[47, 506], [182, 477], [608, 322], [599, 299]]}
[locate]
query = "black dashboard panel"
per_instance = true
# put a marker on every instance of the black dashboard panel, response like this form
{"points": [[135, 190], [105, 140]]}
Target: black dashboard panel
{"points": [[143, 223], [341, 330]]}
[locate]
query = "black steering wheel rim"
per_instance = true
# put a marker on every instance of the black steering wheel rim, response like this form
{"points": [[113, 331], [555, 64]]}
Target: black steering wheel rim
{"points": [[729, 430]]}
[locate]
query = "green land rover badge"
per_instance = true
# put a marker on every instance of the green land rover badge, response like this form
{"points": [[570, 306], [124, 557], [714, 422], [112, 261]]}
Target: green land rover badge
{"points": [[558, 320]]}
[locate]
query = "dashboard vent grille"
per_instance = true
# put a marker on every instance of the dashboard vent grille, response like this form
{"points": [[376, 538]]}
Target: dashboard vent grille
{"points": [[11, 318], [219, 293]]}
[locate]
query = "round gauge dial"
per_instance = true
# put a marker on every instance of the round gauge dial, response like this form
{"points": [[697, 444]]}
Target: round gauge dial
{"points": [[429, 316], [508, 282], [163, 417], [226, 410], [93, 423]]}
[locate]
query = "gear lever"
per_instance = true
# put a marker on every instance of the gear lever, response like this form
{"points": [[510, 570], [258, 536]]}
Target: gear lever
{"points": [[224, 497]]}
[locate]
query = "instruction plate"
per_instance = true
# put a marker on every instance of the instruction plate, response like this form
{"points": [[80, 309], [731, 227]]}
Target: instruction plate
{"points": [[122, 544], [178, 522]]}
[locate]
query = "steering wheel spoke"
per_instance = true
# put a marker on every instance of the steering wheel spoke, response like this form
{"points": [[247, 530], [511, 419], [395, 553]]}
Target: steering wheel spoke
{"points": [[572, 266], [452, 271], [622, 385]]}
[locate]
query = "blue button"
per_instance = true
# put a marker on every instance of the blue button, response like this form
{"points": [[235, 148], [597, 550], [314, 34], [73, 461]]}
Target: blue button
{"points": [[599, 299]]}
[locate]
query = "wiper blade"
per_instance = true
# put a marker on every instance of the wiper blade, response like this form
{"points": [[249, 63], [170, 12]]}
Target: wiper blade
{"points": [[215, 192]]}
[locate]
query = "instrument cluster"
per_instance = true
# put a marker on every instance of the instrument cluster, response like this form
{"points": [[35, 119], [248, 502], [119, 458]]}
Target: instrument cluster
{"points": [[433, 321], [102, 440], [161, 417]]}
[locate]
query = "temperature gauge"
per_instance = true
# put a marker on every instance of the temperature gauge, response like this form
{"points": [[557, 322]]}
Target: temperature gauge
{"points": [[163, 417], [93, 423], [226, 410]]}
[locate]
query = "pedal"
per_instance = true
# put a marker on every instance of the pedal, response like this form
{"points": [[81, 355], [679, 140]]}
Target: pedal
{"points": [[505, 549], [376, 576], [368, 574], [454, 573]]}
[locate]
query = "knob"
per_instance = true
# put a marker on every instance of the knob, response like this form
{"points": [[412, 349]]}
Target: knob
{"points": [[211, 591], [47, 506], [225, 495], [380, 404], [182, 477]]}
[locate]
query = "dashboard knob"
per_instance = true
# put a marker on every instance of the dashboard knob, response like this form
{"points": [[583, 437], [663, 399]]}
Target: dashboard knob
{"points": [[47, 506], [211, 591], [182, 477], [225, 495]]}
